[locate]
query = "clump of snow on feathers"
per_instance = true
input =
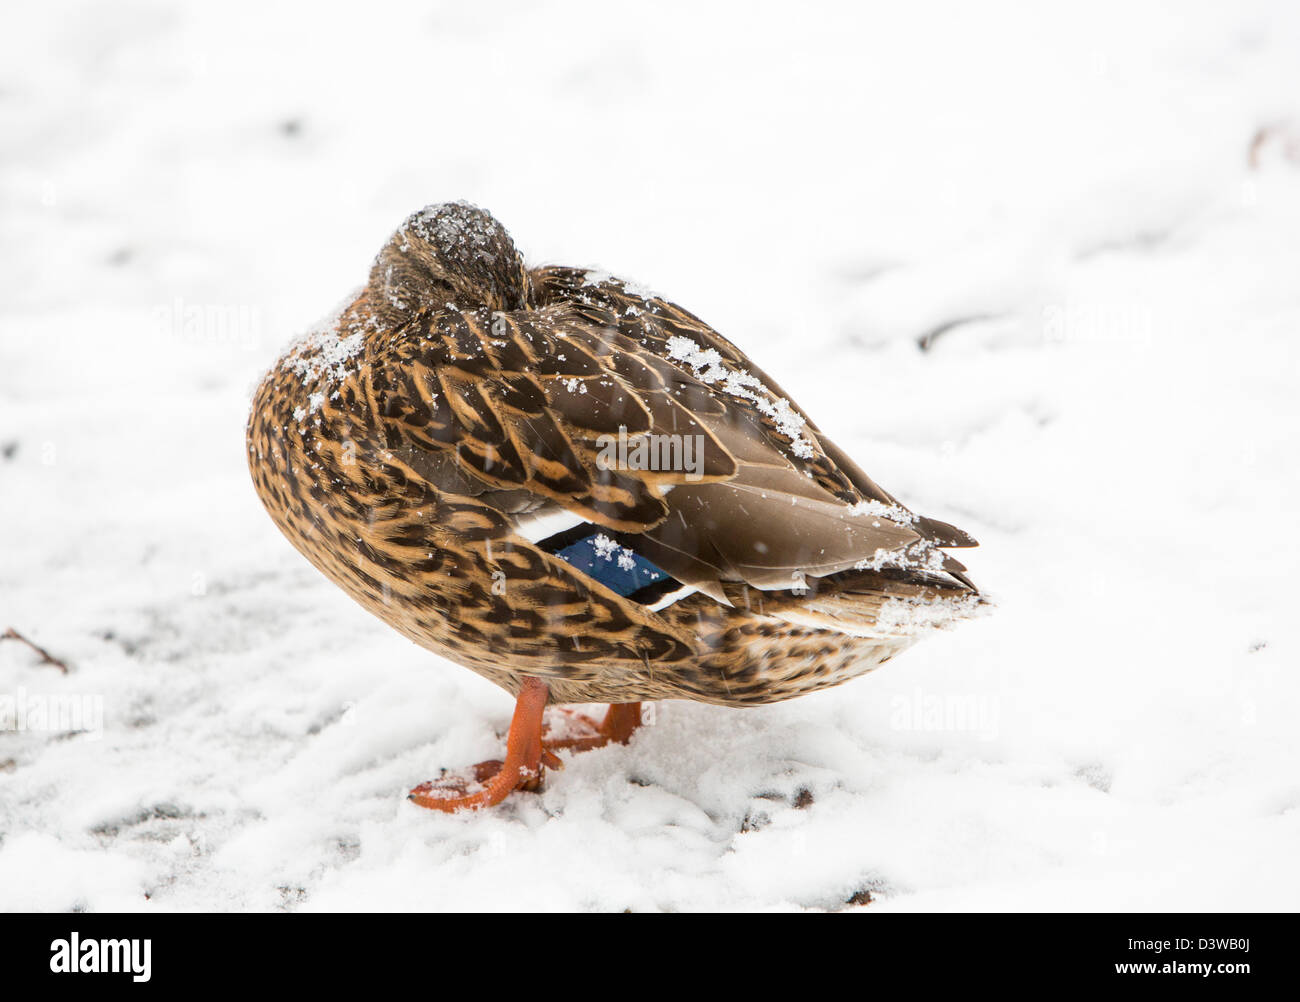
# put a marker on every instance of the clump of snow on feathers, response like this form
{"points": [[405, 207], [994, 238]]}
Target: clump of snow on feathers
{"points": [[893, 512], [323, 356], [912, 616], [710, 369], [922, 555], [452, 231], [630, 287], [610, 550]]}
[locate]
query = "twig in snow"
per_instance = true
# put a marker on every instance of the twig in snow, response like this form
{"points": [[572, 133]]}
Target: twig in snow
{"points": [[46, 656]]}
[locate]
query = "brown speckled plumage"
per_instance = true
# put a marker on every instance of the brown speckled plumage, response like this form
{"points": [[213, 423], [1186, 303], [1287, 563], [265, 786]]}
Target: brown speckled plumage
{"points": [[460, 395]]}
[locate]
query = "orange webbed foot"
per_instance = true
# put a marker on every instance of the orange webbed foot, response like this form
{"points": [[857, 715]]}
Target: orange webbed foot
{"points": [[530, 747], [577, 732], [491, 782]]}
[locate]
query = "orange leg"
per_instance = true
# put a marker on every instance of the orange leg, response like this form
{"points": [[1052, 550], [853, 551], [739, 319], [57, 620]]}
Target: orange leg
{"points": [[522, 767], [527, 752]]}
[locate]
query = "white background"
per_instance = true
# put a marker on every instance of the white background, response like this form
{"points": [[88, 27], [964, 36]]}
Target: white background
{"points": [[185, 187]]}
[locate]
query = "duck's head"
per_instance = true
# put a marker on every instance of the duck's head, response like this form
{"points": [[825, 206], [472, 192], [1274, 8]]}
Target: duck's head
{"points": [[453, 253]]}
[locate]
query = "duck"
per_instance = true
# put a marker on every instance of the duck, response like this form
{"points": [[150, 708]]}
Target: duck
{"points": [[574, 487]]}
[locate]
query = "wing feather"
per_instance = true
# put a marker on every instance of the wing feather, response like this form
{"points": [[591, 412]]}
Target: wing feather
{"points": [[518, 408]]}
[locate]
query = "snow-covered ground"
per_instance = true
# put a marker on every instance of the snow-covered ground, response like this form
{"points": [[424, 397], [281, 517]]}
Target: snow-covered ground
{"points": [[1093, 212]]}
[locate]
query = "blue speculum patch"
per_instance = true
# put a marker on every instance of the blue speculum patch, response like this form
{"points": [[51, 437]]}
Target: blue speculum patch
{"points": [[618, 568]]}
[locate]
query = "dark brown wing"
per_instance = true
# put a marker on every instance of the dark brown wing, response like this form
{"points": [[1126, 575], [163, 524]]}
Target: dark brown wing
{"points": [[519, 408], [526, 404], [798, 505], [653, 321]]}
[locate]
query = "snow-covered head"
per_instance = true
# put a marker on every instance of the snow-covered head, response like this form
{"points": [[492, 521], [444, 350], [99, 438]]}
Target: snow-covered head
{"points": [[451, 253]]}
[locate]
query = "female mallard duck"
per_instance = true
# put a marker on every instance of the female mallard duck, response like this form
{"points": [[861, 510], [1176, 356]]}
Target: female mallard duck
{"points": [[583, 493]]}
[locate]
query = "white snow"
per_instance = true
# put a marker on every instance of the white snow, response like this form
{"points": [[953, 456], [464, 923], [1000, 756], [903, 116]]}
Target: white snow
{"points": [[908, 617], [892, 512], [921, 555], [1059, 201]]}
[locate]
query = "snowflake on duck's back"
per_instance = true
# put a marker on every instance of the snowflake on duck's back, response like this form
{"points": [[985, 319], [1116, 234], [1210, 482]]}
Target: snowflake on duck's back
{"points": [[710, 369], [323, 356], [708, 364], [603, 279], [892, 512]]}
